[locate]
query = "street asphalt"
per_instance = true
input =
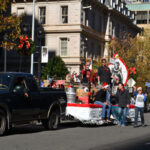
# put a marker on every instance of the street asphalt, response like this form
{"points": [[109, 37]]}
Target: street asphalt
{"points": [[75, 136]]}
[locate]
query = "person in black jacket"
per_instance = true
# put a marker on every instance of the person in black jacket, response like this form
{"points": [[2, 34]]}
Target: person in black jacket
{"points": [[103, 98], [123, 103], [104, 74]]}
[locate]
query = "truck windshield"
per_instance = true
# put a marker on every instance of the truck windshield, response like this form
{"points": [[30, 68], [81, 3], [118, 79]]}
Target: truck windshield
{"points": [[5, 80]]}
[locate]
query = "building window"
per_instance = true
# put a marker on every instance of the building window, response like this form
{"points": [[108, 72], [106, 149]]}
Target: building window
{"points": [[100, 24], [117, 30], [141, 17], [146, 1], [63, 46], [93, 20], [20, 11], [64, 14], [42, 15]]}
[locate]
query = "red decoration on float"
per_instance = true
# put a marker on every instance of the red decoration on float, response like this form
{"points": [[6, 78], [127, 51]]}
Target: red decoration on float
{"points": [[132, 70]]}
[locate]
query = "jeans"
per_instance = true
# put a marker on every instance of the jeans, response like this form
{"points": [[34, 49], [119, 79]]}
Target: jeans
{"points": [[122, 112], [137, 110], [127, 111], [104, 108], [114, 111]]}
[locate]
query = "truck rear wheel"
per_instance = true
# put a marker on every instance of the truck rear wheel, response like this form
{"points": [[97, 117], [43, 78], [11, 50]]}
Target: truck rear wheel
{"points": [[53, 121], [3, 123]]}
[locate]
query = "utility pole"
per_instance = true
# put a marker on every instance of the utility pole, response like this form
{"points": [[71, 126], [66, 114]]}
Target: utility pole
{"points": [[33, 28]]}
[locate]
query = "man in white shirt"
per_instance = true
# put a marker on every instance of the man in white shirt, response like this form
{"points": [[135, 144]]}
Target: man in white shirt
{"points": [[139, 105]]}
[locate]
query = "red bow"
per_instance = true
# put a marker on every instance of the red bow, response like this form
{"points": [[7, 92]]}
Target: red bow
{"points": [[132, 70], [106, 70], [24, 41]]}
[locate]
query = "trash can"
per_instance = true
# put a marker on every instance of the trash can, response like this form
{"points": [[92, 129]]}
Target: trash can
{"points": [[71, 95]]}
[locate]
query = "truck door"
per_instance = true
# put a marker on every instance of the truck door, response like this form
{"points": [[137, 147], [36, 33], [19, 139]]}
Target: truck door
{"points": [[22, 106], [34, 97]]}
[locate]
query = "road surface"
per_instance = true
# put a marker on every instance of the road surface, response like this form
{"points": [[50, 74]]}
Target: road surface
{"points": [[75, 136]]}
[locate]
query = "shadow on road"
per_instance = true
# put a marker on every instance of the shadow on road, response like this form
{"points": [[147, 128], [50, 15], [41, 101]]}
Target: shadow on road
{"points": [[32, 128], [26, 129]]}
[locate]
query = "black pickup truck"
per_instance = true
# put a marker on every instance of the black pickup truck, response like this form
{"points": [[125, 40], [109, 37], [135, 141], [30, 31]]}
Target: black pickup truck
{"points": [[22, 102]]}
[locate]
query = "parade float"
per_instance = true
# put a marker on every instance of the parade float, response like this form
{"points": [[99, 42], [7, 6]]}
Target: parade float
{"points": [[80, 101]]}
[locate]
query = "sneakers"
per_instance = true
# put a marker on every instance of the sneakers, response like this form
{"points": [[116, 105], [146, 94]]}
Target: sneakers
{"points": [[108, 120], [119, 125], [143, 125], [135, 126]]}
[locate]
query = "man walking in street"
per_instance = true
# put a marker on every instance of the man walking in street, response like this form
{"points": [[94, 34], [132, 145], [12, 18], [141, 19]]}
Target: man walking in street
{"points": [[103, 98], [123, 102], [104, 74], [139, 105]]}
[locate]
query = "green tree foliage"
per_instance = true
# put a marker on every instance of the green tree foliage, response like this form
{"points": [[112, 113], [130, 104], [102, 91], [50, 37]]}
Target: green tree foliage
{"points": [[9, 25], [3, 5], [55, 66]]}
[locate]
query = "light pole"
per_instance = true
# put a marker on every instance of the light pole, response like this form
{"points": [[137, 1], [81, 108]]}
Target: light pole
{"points": [[25, 30], [40, 36], [33, 28]]}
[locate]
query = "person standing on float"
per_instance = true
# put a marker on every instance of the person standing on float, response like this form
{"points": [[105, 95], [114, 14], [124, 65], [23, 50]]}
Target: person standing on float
{"points": [[104, 73]]}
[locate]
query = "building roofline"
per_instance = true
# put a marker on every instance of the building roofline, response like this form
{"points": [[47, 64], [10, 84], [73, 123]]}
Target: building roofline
{"points": [[139, 6]]}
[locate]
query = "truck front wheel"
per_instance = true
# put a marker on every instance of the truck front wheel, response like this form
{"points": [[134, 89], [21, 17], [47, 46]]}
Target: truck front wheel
{"points": [[53, 121], [3, 123]]}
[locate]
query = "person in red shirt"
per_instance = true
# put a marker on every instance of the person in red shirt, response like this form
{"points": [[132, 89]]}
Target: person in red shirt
{"points": [[86, 75]]}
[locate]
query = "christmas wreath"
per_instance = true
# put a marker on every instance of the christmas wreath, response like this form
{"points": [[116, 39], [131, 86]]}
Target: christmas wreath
{"points": [[25, 45]]}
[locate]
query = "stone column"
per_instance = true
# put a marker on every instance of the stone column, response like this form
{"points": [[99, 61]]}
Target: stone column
{"points": [[107, 39], [148, 17]]}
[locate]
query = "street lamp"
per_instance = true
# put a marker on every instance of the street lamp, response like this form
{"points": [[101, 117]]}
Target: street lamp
{"points": [[33, 28], [25, 31]]}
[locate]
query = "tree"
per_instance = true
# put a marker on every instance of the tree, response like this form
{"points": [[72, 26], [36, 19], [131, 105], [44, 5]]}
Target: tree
{"points": [[136, 53], [55, 66], [9, 25]]}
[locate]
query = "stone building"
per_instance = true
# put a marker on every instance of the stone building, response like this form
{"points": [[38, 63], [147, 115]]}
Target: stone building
{"points": [[78, 29], [141, 8]]}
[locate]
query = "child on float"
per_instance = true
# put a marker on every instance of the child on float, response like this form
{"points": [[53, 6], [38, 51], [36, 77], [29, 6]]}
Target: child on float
{"points": [[139, 105]]}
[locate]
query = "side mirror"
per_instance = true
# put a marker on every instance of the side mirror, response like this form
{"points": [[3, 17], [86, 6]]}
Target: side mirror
{"points": [[18, 89]]}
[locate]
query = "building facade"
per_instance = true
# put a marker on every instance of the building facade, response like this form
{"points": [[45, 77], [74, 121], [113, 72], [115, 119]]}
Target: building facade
{"points": [[78, 29], [141, 8]]}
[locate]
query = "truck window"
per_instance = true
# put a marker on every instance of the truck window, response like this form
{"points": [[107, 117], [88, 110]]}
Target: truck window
{"points": [[20, 81], [32, 84], [5, 81]]}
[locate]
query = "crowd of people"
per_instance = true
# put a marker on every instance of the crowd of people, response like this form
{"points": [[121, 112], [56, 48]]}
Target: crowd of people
{"points": [[113, 95], [109, 99]]}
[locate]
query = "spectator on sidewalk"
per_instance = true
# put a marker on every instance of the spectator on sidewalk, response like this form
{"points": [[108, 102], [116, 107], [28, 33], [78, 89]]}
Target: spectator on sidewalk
{"points": [[123, 103], [139, 105], [103, 98]]}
